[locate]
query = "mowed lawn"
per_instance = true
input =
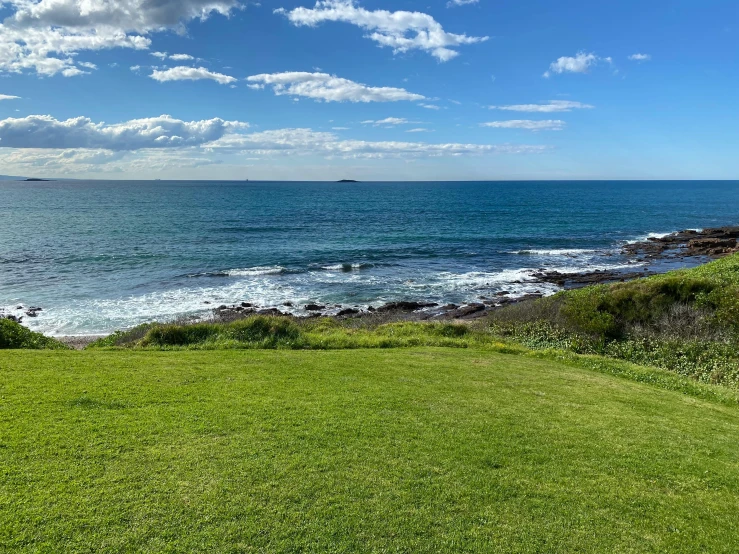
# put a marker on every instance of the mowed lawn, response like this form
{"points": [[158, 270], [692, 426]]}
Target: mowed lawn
{"points": [[418, 450]]}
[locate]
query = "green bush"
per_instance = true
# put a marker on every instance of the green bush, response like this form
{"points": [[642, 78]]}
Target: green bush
{"points": [[684, 321], [14, 336]]}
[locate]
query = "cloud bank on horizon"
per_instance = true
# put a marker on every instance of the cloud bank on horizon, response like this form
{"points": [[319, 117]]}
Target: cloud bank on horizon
{"points": [[301, 89]]}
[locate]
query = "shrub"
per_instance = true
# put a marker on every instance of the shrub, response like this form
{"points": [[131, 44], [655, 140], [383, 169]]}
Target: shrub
{"points": [[14, 336]]}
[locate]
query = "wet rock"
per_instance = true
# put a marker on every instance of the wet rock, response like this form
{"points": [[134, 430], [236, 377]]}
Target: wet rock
{"points": [[405, 306], [712, 246], [576, 280], [714, 242], [288, 304], [270, 311], [247, 305], [347, 311], [313, 307]]}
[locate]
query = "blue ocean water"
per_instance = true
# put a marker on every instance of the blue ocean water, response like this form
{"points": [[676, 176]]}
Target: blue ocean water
{"points": [[104, 255]]}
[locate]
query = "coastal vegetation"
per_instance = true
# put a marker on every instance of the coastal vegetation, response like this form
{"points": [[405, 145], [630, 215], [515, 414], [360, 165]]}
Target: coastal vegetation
{"points": [[685, 321], [15, 336]]}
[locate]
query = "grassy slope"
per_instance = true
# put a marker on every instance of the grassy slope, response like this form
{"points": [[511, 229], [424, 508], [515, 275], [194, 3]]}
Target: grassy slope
{"points": [[418, 450]]}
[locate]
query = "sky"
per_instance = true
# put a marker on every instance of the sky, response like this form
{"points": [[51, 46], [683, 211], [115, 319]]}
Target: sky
{"points": [[370, 90]]}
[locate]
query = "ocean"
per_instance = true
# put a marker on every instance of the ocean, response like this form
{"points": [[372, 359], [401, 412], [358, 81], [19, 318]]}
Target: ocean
{"points": [[104, 255]]}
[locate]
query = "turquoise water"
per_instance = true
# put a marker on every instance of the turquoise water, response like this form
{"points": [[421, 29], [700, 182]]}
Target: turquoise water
{"points": [[99, 256]]}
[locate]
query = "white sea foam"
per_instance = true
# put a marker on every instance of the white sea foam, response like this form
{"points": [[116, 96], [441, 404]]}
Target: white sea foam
{"points": [[95, 316], [569, 252], [254, 271], [648, 236], [344, 267]]}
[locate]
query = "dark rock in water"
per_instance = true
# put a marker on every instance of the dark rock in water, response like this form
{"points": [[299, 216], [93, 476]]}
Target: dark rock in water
{"points": [[206, 302], [270, 311], [449, 307], [347, 311], [288, 304], [576, 280], [405, 306], [19, 308], [31, 313], [714, 243], [16, 319], [247, 305], [222, 307], [371, 309], [314, 307], [712, 246]]}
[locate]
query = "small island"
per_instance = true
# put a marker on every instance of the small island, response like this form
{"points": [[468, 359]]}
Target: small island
{"points": [[347, 181], [36, 180]]}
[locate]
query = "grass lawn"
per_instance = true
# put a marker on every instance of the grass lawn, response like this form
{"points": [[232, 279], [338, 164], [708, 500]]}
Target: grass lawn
{"points": [[414, 450]]}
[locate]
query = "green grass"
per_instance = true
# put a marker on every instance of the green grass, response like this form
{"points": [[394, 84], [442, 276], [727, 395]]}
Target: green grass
{"points": [[413, 450], [270, 332]]}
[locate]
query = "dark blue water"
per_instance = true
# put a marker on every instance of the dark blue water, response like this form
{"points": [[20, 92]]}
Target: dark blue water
{"points": [[104, 255]]}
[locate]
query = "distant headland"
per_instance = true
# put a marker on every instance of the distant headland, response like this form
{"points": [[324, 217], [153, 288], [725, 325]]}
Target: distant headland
{"points": [[347, 181]]}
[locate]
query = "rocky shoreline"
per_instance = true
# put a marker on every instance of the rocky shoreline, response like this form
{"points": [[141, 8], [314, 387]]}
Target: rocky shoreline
{"points": [[654, 255], [683, 248]]}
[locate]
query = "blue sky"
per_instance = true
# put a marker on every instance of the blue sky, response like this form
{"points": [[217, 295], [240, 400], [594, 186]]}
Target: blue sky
{"points": [[487, 89]]}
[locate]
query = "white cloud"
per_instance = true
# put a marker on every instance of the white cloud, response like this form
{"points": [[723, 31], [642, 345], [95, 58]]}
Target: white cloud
{"points": [[401, 30], [388, 121], [340, 128], [80, 161], [580, 63], [9, 97], [309, 142], [551, 106], [182, 73], [135, 68], [419, 130], [640, 57], [528, 124], [329, 88], [176, 57], [453, 3], [45, 35], [430, 106], [43, 131]]}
